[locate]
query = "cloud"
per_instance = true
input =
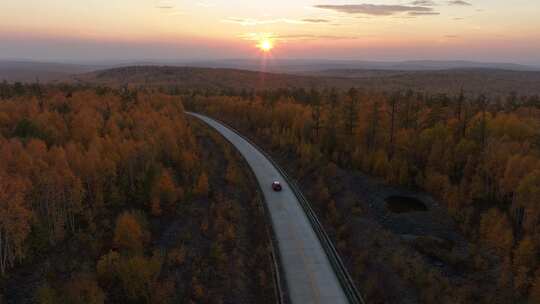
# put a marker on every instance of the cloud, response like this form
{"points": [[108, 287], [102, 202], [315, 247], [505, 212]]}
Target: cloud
{"points": [[164, 5], [314, 37], [168, 8], [376, 9], [315, 20], [293, 37], [253, 22], [423, 3], [459, 3], [424, 13], [451, 36]]}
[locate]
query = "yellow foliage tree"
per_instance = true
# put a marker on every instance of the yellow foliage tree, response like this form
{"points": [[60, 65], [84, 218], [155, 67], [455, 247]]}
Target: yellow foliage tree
{"points": [[14, 221], [534, 294], [526, 253], [129, 233], [496, 231], [139, 276], [232, 175], [164, 194], [527, 197], [83, 288], [202, 187]]}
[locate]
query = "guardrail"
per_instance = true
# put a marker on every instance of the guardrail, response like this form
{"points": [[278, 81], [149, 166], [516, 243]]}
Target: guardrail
{"points": [[352, 293]]}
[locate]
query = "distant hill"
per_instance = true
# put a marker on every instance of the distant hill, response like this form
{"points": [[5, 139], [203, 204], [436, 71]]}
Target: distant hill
{"points": [[28, 71], [473, 81], [199, 78], [305, 66]]}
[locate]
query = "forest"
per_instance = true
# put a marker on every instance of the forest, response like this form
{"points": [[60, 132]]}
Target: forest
{"points": [[113, 196], [478, 155]]}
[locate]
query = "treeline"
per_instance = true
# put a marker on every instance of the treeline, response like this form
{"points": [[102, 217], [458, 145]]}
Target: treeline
{"points": [[479, 156], [91, 180]]}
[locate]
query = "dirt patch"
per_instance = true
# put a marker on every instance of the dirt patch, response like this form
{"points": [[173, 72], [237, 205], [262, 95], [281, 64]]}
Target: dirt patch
{"points": [[404, 204]]}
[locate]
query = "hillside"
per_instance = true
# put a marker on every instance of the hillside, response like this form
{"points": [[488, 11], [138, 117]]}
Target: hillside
{"points": [[294, 66], [198, 78], [473, 81], [27, 71], [487, 81]]}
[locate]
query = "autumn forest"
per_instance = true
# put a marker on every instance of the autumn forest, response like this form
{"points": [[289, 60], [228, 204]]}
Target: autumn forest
{"points": [[112, 194], [479, 156]]}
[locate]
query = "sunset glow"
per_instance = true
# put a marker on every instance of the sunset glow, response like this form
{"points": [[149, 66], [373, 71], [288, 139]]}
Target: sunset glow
{"points": [[265, 45], [485, 30], [413, 127]]}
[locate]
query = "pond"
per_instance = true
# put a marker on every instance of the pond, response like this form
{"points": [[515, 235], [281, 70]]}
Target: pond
{"points": [[404, 204]]}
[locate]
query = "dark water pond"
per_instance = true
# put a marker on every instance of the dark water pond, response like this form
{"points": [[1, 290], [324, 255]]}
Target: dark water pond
{"points": [[404, 204]]}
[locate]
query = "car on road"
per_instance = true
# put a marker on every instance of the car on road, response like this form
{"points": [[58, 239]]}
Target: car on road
{"points": [[276, 186]]}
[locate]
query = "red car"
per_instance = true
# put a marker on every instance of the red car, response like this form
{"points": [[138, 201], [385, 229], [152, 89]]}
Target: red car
{"points": [[276, 186]]}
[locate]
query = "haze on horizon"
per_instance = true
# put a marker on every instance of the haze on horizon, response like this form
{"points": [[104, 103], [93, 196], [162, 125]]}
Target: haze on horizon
{"points": [[95, 30]]}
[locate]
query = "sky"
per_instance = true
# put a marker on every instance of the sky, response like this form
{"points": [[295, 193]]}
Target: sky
{"points": [[390, 30]]}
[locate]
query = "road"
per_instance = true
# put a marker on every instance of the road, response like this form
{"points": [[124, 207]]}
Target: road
{"points": [[309, 275]]}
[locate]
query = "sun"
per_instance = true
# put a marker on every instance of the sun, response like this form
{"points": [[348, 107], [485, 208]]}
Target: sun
{"points": [[265, 45]]}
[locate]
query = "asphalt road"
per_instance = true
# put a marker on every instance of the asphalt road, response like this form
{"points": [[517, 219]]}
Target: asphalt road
{"points": [[309, 275]]}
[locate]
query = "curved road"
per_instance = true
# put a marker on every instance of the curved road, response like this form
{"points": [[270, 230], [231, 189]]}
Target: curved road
{"points": [[309, 275]]}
